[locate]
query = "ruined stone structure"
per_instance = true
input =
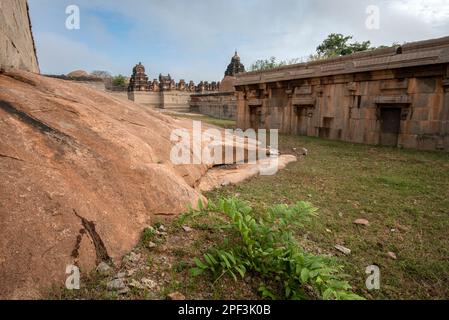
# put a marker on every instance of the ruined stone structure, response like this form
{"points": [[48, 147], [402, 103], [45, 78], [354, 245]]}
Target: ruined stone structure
{"points": [[16, 38], [224, 103], [393, 96], [139, 80], [220, 105], [164, 92]]}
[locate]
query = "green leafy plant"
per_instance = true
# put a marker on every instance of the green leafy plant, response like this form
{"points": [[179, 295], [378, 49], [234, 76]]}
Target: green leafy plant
{"points": [[267, 248]]}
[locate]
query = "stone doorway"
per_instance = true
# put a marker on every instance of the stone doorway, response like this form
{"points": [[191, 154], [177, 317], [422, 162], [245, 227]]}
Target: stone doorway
{"points": [[301, 121], [390, 126], [255, 117]]}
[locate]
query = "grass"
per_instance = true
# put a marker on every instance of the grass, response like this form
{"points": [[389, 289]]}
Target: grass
{"points": [[403, 193], [225, 123]]}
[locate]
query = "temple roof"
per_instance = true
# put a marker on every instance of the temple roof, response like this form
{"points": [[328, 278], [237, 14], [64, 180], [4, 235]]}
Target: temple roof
{"points": [[235, 66], [140, 67]]}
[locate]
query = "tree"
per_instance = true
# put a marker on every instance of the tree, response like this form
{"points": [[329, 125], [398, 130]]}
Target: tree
{"points": [[119, 81], [266, 64], [101, 74], [334, 45], [337, 44]]}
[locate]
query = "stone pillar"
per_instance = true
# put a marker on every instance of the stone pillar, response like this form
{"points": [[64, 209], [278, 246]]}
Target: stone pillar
{"points": [[241, 112], [290, 112], [444, 144]]}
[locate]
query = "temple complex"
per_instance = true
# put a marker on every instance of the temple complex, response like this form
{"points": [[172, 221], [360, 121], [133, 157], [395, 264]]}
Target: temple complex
{"points": [[221, 104], [214, 98], [164, 92], [393, 96]]}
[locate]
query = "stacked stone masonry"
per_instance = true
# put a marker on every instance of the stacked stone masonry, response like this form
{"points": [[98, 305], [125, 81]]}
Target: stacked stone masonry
{"points": [[220, 105], [394, 96]]}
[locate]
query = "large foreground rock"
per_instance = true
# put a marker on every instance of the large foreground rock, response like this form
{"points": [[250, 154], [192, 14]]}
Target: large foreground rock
{"points": [[81, 174]]}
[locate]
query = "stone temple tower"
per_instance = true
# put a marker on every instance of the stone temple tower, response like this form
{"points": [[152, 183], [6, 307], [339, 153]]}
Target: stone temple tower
{"points": [[235, 66], [139, 80]]}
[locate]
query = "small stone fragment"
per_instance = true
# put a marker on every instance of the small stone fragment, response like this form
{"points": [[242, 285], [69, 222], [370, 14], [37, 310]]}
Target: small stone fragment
{"points": [[136, 284], [305, 152], [392, 255], [187, 229], [343, 249], [151, 245], [133, 257], [131, 272], [176, 296], [103, 268], [116, 284], [362, 222], [125, 290], [150, 284]]}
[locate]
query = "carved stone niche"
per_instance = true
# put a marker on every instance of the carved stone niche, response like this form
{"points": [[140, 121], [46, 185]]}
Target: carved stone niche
{"points": [[446, 80], [402, 102], [352, 88], [252, 102], [401, 99], [306, 104], [303, 90], [319, 90], [309, 110], [446, 85]]}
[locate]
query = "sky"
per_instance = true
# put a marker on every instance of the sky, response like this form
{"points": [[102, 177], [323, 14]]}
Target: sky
{"points": [[195, 39]]}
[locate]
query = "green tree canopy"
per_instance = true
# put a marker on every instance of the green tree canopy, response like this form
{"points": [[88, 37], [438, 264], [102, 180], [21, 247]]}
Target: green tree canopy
{"points": [[266, 64], [334, 45], [272, 63], [119, 81], [337, 44]]}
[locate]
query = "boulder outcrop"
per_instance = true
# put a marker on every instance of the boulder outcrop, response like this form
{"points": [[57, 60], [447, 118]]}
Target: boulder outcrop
{"points": [[81, 175]]}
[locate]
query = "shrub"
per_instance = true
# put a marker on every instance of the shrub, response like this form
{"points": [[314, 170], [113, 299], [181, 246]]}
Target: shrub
{"points": [[267, 247]]}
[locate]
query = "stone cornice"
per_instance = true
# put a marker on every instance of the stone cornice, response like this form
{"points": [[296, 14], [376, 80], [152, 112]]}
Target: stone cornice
{"points": [[413, 54]]}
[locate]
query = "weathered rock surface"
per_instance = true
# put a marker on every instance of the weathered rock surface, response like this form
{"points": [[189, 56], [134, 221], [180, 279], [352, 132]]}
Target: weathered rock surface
{"points": [[16, 38], [81, 175]]}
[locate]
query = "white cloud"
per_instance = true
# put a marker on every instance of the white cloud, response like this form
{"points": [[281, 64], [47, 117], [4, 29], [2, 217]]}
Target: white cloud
{"points": [[429, 11], [195, 39], [59, 55]]}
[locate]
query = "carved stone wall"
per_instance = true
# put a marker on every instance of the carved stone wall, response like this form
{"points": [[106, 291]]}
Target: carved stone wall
{"points": [[221, 105], [378, 97], [173, 100]]}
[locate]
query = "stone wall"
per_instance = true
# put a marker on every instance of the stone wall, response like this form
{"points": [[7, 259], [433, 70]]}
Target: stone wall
{"points": [[388, 96], [16, 39], [220, 105], [173, 100]]}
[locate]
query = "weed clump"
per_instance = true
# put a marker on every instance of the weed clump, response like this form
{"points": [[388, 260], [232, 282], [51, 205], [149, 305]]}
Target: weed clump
{"points": [[266, 246]]}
